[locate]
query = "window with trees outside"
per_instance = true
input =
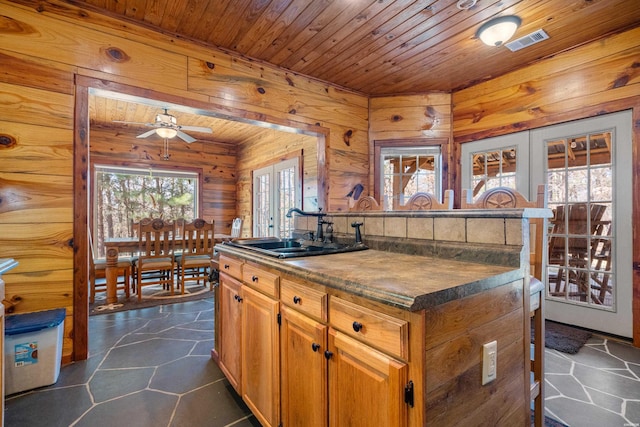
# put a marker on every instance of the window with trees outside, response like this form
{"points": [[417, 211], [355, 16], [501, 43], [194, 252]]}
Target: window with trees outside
{"points": [[405, 171], [122, 196]]}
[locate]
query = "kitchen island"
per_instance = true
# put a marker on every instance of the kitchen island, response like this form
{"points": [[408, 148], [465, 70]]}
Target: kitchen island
{"points": [[379, 337]]}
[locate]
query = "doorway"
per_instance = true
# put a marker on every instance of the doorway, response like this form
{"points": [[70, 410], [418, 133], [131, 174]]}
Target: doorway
{"points": [[81, 177]]}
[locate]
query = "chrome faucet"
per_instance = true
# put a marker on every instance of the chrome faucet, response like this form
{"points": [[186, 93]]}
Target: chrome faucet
{"points": [[319, 237]]}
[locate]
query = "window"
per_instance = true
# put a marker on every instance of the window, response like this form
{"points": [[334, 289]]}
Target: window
{"points": [[404, 170], [125, 195]]}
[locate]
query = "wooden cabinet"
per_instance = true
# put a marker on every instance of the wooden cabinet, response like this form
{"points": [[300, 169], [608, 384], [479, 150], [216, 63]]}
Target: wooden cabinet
{"points": [[366, 387], [330, 361], [304, 370], [230, 323], [303, 334], [260, 356]]}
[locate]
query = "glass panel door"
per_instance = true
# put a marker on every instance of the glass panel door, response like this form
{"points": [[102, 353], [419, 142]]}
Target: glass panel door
{"points": [[586, 165], [276, 189]]}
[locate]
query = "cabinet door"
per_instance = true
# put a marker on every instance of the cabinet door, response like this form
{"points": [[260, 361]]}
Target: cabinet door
{"points": [[304, 370], [260, 358], [230, 321], [366, 387]]}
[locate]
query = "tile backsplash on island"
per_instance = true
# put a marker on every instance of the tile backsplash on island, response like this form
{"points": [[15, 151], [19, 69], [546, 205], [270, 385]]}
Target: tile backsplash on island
{"points": [[485, 236]]}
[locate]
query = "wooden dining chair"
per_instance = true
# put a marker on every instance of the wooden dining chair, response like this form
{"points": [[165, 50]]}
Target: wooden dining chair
{"points": [[365, 203], [155, 262], [194, 261], [97, 270], [508, 198], [423, 201]]}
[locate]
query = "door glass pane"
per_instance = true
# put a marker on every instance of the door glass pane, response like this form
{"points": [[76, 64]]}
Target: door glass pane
{"points": [[262, 210], [286, 199], [492, 169], [580, 240]]}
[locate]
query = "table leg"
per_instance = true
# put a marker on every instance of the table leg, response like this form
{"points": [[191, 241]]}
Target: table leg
{"points": [[111, 274]]}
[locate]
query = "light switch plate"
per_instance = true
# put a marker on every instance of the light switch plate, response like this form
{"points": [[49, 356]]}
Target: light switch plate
{"points": [[489, 362]]}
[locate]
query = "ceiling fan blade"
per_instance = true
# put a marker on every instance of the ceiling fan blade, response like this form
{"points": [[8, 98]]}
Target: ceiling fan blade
{"points": [[197, 129], [186, 138], [146, 134]]}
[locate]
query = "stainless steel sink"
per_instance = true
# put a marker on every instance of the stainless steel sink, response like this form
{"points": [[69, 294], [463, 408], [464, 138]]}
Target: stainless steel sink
{"points": [[290, 248]]}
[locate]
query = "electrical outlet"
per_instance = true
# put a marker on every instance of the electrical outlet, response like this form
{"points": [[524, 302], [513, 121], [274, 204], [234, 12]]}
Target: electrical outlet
{"points": [[489, 362]]}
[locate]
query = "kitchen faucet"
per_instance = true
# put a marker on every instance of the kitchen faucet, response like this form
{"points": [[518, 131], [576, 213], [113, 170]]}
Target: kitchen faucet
{"points": [[319, 232]]}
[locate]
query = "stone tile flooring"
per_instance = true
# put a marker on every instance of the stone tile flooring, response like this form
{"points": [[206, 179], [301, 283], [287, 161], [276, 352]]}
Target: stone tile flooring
{"points": [[147, 367], [152, 367], [598, 386]]}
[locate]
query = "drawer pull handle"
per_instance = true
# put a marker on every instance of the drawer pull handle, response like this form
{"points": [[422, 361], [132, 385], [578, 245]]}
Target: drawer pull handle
{"points": [[226, 266], [237, 298], [328, 354], [357, 326], [254, 278], [296, 300], [315, 347]]}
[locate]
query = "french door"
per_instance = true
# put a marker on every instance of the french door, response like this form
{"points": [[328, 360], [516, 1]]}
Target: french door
{"points": [[586, 165], [276, 189]]}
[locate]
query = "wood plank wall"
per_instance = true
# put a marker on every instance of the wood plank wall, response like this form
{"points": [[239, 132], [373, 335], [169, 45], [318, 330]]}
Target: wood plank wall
{"points": [[45, 44], [410, 117]]}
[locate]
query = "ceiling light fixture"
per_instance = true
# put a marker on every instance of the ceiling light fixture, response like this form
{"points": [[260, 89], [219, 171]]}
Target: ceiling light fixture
{"points": [[165, 132], [498, 31]]}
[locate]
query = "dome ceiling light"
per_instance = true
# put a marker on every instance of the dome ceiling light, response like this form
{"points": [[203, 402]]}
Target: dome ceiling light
{"points": [[498, 31]]}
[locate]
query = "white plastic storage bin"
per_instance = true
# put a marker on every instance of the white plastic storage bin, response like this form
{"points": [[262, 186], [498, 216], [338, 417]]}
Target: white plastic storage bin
{"points": [[33, 349]]}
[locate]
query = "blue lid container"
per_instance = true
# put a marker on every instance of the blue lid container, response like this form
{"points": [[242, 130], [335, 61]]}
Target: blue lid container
{"points": [[33, 322]]}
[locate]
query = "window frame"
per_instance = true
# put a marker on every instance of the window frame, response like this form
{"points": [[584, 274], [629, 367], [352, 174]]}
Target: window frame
{"points": [[168, 169], [379, 145]]}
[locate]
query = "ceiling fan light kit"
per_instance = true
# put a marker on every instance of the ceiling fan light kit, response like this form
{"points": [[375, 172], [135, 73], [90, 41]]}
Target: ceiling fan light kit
{"points": [[498, 31], [166, 132]]}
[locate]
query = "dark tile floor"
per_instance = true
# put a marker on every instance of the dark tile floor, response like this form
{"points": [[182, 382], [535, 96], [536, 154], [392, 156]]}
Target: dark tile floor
{"points": [[152, 367], [148, 367]]}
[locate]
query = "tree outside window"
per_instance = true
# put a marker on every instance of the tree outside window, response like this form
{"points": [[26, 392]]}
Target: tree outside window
{"points": [[123, 196]]}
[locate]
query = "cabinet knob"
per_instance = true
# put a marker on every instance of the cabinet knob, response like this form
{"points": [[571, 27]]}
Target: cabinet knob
{"points": [[226, 266], [357, 326], [315, 346], [254, 278], [237, 298], [328, 354], [296, 300]]}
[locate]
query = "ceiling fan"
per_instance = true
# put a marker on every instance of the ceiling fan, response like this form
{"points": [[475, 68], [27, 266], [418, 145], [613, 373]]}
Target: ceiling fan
{"points": [[166, 126]]}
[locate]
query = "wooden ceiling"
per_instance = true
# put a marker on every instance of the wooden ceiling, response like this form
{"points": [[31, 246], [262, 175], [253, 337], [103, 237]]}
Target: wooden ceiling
{"points": [[379, 47]]}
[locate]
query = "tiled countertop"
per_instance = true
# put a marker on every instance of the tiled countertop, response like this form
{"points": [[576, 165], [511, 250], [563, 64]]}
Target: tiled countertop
{"points": [[409, 282]]}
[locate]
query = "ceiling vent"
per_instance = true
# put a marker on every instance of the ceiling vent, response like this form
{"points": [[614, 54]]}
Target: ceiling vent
{"points": [[528, 40]]}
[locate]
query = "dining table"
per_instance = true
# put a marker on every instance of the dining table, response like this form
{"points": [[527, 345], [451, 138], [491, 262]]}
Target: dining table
{"points": [[116, 245]]}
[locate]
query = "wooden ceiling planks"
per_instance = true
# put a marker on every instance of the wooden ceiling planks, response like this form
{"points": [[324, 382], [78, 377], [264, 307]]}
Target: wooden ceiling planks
{"points": [[379, 47]]}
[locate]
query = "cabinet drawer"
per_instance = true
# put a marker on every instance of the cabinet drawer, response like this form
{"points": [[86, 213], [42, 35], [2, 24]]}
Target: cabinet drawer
{"points": [[307, 300], [261, 280], [231, 266], [377, 329]]}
